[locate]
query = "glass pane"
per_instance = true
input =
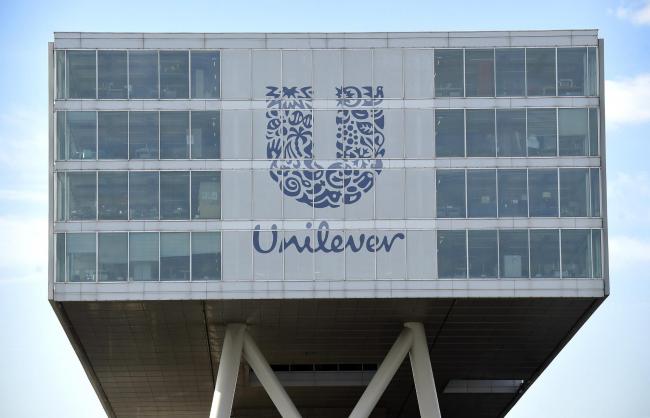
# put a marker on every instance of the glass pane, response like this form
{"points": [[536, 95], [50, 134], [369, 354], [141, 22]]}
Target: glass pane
{"points": [[112, 192], [513, 253], [206, 256], [61, 153], [174, 75], [143, 195], [60, 74], [113, 256], [81, 74], [450, 135], [60, 197], [143, 256], [597, 256], [60, 257], [450, 193], [111, 73], [205, 74], [511, 133], [571, 71], [540, 71], [574, 191], [112, 135], [448, 72], [80, 257], [143, 74], [82, 189], [205, 134], [591, 88], [542, 189], [174, 256], [481, 193], [481, 138], [174, 133], [143, 135], [510, 75], [573, 132], [452, 255], [206, 195], [542, 133], [595, 192], [513, 193], [593, 131], [479, 72], [482, 249], [81, 135], [576, 253], [545, 253], [174, 195]]}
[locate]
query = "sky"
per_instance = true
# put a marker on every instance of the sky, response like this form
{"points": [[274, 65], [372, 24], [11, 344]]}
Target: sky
{"points": [[604, 371]]}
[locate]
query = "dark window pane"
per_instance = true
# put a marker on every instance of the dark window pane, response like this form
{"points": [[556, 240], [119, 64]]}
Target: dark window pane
{"points": [[479, 72], [540, 71], [574, 191], [60, 74], [82, 189], [174, 195], [174, 256], [143, 256], [480, 133], [510, 72], [571, 71], [143, 135], [206, 195], [206, 256], [174, 133], [542, 189], [542, 133], [113, 256], [60, 257], [80, 257], [81, 135], [449, 72], [112, 191], [544, 253], [205, 74], [481, 193], [513, 194], [61, 146], [143, 195], [576, 253], [60, 197], [452, 255], [591, 88], [143, 74], [205, 134], [174, 75], [573, 132], [111, 72], [513, 252], [594, 192], [511, 133], [593, 131], [81, 74], [482, 249], [450, 193], [450, 135], [112, 136], [597, 257]]}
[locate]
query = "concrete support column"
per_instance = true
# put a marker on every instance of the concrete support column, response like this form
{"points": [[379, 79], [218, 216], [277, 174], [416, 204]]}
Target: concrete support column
{"points": [[224, 390], [425, 386]]}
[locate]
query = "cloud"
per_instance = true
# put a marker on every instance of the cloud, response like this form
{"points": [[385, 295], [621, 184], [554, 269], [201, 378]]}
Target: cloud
{"points": [[626, 251], [628, 100], [637, 13], [23, 248], [628, 197]]}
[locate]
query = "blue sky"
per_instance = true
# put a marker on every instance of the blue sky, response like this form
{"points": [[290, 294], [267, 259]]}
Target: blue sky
{"points": [[603, 372]]}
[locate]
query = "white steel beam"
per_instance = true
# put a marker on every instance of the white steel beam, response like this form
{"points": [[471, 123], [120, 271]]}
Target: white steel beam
{"points": [[425, 386], [224, 390]]}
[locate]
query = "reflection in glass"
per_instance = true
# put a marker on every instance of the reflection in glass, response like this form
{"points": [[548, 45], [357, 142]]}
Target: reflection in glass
{"points": [[452, 255], [574, 191], [80, 135], [174, 133], [81, 189], [112, 189], [513, 253], [143, 135], [450, 193], [80, 69], [174, 75], [205, 74], [540, 71], [143, 256], [206, 195], [479, 72], [591, 88], [594, 207], [174, 256], [112, 135], [111, 73], [544, 253], [60, 74], [448, 70], [573, 132], [113, 256], [482, 253], [450, 135], [513, 193], [542, 190], [174, 195], [596, 250], [143, 74], [510, 71], [542, 133], [576, 253], [480, 133], [571, 71], [481, 194], [206, 256], [511, 132], [80, 257], [205, 134], [593, 131], [143, 195], [60, 257]]}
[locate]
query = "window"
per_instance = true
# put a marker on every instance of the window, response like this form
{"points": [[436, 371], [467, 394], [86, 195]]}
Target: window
{"points": [[61, 204], [205, 74], [112, 136], [571, 71], [596, 250], [482, 253], [206, 195], [113, 195], [113, 257], [576, 253], [544, 253], [143, 256], [448, 70], [540, 71], [479, 72], [82, 189], [573, 132], [60, 257], [574, 192], [206, 256], [60, 74], [143, 74], [174, 256], [593, 131], [174, 133], [513, 193], [591, 87], [450, 193], [143, 135], [78, 131], [205, 134], [481, 138], [111, 72], [542, 133], [174, 75], [511, 133], [542, 189], [481, 193], [450, 135], [143, 195], [174, 195], [510, 71], [594, 192], [513, 253], [80, 69], [452, 255], [80, 257]]}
